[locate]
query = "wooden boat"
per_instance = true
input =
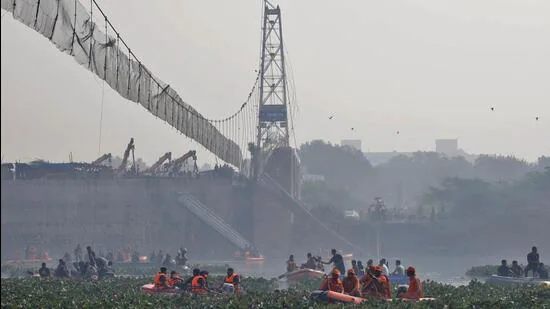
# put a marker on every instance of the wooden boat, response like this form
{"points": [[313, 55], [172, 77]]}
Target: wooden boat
{"points": [[494, 279], [304, 274]]}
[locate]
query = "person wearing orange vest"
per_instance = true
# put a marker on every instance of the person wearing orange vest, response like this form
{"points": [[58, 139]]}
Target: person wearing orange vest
{"points": [[351, 284], [233, 278], [415, 286], [378, 286], [161, 281], [175, 280], [198, 285], [333, 283]]}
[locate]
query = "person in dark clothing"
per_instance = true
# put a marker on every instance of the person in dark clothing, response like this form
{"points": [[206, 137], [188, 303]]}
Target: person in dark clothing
{"points": [[533, 261], [61, 271], [310, 263], [516, 269], [543, 273], [44, 271], [91, 256], [503, 270], [338, 261]]}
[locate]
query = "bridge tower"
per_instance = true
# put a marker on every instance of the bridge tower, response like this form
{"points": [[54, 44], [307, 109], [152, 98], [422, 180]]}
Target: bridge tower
{"points": [[272, 129]]}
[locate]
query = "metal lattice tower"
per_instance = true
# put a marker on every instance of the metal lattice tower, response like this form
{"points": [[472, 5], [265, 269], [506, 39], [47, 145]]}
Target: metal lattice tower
{"points": [[273, 121]]}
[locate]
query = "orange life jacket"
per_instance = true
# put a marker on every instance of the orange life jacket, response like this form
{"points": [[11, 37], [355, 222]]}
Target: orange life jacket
{"points": [[174, 280], [385, 281], [231, 279], [157, 280], [196, 286], [415, 289]]}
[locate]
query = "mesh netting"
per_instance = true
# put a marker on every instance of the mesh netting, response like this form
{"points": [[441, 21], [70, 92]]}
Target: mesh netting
{"points": [[68, 25]]}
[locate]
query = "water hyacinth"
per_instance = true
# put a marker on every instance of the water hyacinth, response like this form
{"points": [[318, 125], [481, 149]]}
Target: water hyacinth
{"points": [[261, 293]]}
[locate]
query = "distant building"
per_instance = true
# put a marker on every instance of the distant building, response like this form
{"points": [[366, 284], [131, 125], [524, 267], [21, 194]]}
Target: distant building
{"points": [[353, 143], [448, 147], [377, 158]]}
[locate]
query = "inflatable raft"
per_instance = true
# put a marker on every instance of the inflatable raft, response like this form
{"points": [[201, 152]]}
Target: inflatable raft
{"points": [[151, 289], [330, 296], [494, 279], [304, 274]]}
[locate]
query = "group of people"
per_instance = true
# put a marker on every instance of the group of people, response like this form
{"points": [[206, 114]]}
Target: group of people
{"points": [[197, 283], [167, 260], [92, 268], [371, 281], [533, 264]]}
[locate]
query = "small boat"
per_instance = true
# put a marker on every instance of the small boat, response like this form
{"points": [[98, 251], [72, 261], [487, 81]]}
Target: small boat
{"points": [[257, 259], [494, 279], [336, 297], [347, 256], [398, 279], [304, 274], [151, 289]]}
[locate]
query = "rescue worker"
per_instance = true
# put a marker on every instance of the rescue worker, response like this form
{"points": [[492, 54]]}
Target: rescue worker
{"points": [[354, 266], [161, 280], [338, 261], [516, 269], [378, 287], [204, 274], [333, 283], [187, 283], [311, 262], [234, 279], [415, 285], [44, 271], [351, 284], [175, 280], [533, 261], [291, 264], [503, 270], [199, 285], [399, 269]]}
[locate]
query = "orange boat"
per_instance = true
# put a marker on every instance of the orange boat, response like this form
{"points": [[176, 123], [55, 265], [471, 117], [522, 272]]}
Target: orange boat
{"points": [[304, 274], [337, 297], [151, 289]]}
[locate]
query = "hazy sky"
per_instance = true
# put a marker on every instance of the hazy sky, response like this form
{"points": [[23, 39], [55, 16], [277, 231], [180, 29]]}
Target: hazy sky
{"points": [[427, 68]]}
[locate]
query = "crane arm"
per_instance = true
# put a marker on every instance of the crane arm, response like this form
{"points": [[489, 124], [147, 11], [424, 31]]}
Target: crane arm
{"points": [[160, 161], [124, 163], [102, 159]]}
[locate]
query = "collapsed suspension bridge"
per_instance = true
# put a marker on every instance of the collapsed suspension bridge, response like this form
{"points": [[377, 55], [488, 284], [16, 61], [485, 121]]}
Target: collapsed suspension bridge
{"points": [[99, 47]]}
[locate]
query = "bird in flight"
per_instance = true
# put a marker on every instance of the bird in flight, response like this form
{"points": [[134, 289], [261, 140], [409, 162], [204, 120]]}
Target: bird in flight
{"points": [[352, 129], [492, 108], [397, 132], [330, 117], [537, 118]]}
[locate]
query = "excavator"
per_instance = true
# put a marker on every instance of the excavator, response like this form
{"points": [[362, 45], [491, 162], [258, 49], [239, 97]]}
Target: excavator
{"points": [[155, 167], [103, 158], [175, 166], [122, 168]]}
